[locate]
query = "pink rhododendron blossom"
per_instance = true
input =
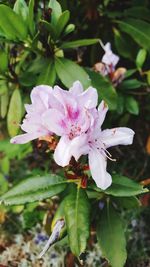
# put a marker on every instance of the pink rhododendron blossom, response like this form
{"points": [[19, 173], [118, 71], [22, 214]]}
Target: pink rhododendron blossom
{"points": [[73, 116], [109, 59]]}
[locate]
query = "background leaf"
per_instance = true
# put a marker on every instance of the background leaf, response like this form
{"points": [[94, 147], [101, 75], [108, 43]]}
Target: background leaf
{"points": [[111, 238], [14, 113], [69, 72]]}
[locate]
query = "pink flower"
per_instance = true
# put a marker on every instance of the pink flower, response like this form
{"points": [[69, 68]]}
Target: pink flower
{"points": [[109, 59], [99, 141], [42, 99], [71, 122]]}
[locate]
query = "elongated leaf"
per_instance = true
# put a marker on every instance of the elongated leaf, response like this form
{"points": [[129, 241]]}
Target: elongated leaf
{"points": [[3, 61], [48, 75], [4, 102], [70, 28], [111, 238], [49, 27], [125, 45], [104, 88], [69, 72], [77, 217], [127, 202], [14, 113], [139, 30], [20, 7], [62, 21], [56, 11], [78, 43], [12, 24], [141, 57], [123, 186], [131, 84], [31, 23], [34, 189], [132, 105], [139, 12]]}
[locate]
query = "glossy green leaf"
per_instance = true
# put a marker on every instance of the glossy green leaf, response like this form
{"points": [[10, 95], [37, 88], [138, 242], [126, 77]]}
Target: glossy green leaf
{"points": [[69, 72], [105, 89], [34, 189], [31, 23], [21, 8], [124, 46], [5, 165], [127, 202], [62, 21], [48, 75], [3, 184], [78, 43], [4, 100], [49, 27], [124, 187], [121, 187], [77, 217], [131, 84], [14, 113], [111, 237], [139, 30], [12, 24], [139, 12], [56, 11], [132, 105], [3, 61], [141, 57], [70, 28]]}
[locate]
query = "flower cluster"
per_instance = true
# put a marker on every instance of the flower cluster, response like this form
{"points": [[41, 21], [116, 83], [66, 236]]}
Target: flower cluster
{"points": [[74, 117]]}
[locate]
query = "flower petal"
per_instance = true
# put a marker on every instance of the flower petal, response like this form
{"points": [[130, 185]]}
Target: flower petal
{"points": [[88, 98], [97, 163], [102, 110], [24, 138], [76, 88], [117, 136], [53, 120], [62, 153]]}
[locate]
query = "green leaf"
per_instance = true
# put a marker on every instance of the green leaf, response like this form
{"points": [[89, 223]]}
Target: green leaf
{"points": [[34, 189], [127, 202], [62, 21], [12, 24], [139, 12], [14, 113], [124, 187], [104, 88], [69, 72], [31, 23], [141, 57], [3, 61], [124, 46], [111, 237], [56, 11], [139, 30], [49, 27], [20, 7], [131, 84], [4, 99], [3, 184], [5, 165], [77, 217], [48, 75], [132, 105], [78, 43], [70, 28]]}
